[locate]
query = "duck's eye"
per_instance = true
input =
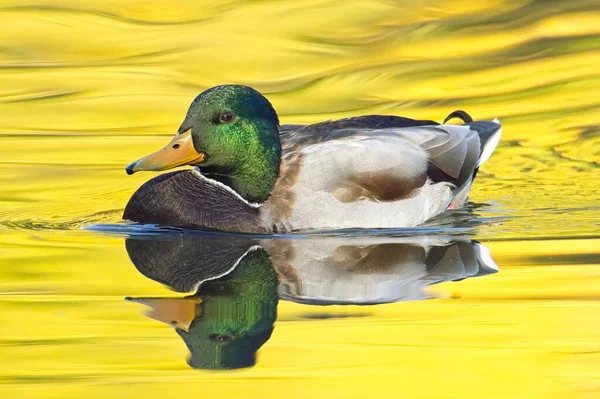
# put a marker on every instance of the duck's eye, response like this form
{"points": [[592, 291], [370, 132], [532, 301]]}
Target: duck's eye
{"points": [[226, 117], [219, 337]]}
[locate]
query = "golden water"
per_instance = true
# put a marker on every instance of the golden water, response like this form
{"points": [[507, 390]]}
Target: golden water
{"points": [[86, 87]]}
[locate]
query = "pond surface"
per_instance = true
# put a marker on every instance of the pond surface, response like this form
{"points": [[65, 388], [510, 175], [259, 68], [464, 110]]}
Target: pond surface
{"points": [[500, 300]]}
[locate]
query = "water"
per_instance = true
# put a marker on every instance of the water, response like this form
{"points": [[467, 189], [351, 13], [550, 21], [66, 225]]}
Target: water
{"points": [[87, 88]]}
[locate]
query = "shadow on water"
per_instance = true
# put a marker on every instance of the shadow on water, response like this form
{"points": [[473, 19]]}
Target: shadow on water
{"points": [[237, 282]]}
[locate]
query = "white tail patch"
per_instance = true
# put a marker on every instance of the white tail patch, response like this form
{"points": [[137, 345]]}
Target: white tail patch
{"points": [[490, 146], [485, 257]]}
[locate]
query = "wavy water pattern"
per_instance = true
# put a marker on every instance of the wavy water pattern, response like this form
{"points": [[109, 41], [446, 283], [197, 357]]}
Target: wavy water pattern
{"points": [[88, 86]]}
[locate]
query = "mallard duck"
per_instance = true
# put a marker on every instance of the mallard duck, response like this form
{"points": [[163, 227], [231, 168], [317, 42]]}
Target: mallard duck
{"points": [[236, 283], [253, 175]]}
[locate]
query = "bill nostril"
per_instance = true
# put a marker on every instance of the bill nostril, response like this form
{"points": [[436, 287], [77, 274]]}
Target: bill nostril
{"points": [[176, 146]]}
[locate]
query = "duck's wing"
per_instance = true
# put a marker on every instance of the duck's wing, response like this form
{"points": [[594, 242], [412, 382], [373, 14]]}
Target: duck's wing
{"points": [[452, 151], [355, 164], [297, 136], [389, 164], [391, 177], [456, 152]]}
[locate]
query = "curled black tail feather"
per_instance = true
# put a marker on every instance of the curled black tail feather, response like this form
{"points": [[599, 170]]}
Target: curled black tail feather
{"points": [[460, 114]]}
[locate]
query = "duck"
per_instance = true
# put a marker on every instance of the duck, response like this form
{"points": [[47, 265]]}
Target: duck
{"points": [[252, 175], [234, 283]]}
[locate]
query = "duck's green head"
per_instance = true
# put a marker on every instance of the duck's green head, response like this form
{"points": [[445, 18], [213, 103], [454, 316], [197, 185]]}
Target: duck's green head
{"points": [[238, 313], [229, 318], [232, 133]]}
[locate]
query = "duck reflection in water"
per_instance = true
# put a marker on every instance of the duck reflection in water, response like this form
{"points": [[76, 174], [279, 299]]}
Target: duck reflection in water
{"points": [[237, 282]]}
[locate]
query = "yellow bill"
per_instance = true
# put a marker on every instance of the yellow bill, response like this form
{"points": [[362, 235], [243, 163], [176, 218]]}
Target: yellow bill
{"points": [[176, 312], [180, 151]]}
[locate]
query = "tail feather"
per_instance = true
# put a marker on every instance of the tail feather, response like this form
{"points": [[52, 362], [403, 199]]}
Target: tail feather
{"points": [[489, 134], [484, 259], [460, 114]]}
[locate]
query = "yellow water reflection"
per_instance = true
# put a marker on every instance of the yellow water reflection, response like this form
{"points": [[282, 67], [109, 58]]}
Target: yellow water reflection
{"points": [[88, 86], [529, 331]]}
